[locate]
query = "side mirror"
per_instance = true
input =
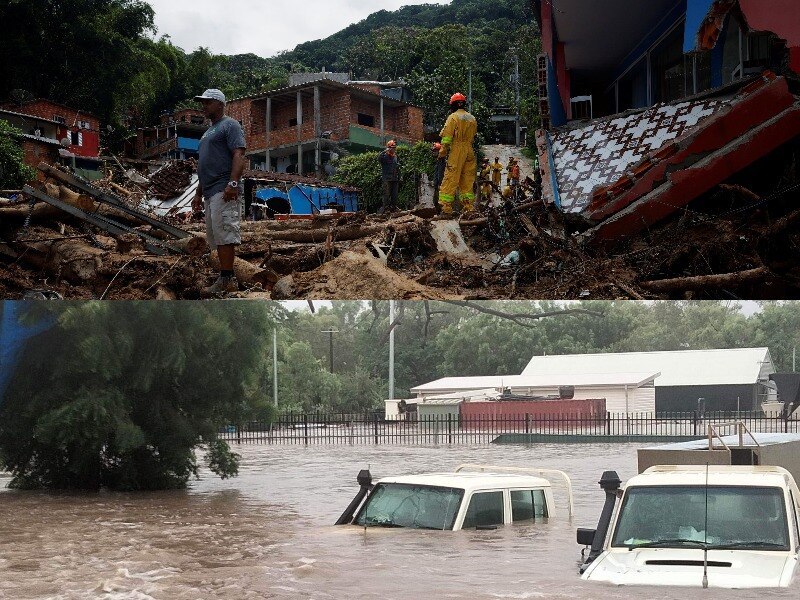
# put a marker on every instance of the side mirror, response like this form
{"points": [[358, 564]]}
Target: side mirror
{"points": [[585, 536]]}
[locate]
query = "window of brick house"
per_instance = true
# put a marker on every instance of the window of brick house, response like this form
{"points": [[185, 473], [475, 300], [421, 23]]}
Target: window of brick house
{"points": [[293, 122], [366, 120], [59, 119]]}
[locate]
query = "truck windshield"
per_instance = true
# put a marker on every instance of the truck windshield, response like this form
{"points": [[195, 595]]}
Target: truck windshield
{"points": [[405, 505], [676, 517]]}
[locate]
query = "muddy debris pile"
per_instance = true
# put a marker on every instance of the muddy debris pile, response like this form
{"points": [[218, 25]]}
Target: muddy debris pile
{"points": [[84, 241]]}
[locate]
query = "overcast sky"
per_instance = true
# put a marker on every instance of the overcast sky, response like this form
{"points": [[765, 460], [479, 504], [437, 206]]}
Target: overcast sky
{"points": [[263, 27]]}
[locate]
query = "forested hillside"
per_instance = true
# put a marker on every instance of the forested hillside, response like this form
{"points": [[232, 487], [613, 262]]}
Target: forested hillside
{"points": [[103, 56]]}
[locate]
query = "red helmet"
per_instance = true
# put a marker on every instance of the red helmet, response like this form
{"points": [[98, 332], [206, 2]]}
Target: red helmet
{"points": [[391, 144], [437, 146], [458, 97]]}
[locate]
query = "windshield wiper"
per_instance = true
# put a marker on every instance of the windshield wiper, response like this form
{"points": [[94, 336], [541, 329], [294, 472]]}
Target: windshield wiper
{"points": [[668, 542], [746, 545]]}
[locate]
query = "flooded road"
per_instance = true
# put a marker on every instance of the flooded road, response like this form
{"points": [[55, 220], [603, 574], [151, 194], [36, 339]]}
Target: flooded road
{"points": [[268, 534]]}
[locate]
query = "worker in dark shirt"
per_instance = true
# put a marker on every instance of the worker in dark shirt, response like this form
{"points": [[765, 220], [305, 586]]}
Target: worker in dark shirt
{"points": [[390, 175], [219, 168]]}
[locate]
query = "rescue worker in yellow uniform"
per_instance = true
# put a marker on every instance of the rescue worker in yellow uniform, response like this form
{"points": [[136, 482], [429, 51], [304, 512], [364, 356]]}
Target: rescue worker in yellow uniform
{"points": [[497, 171], [459, 176], [486, 187]]}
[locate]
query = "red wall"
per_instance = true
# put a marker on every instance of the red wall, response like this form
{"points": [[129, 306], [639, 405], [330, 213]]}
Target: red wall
{"points": [[563, 408], [781, 17]]}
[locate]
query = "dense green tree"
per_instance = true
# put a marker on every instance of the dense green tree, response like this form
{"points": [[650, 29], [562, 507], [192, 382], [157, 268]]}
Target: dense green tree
{"points": [[13, 170], [121, 394], [364, 172]]}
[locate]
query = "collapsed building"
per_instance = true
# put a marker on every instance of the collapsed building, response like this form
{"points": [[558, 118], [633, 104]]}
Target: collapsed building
{"points": [[671, 109]]}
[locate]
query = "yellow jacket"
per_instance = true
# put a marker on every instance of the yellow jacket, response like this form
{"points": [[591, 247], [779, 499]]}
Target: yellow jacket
{"points": [[459, 129]]}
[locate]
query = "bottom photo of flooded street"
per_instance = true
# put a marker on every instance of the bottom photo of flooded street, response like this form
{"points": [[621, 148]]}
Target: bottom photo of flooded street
{"points": [[399, 449]]}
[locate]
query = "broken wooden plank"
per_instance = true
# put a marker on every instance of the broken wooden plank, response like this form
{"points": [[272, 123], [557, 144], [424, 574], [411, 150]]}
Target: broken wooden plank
{"points": [[106, 224], [107, 198]]}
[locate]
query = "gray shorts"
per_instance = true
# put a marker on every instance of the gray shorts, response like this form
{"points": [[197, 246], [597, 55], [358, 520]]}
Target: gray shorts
{"points": [[222, 221]]}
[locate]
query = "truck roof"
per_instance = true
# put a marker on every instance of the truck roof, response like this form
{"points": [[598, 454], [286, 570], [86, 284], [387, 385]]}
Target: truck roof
{"points": [[756, 476], [470, 481]]}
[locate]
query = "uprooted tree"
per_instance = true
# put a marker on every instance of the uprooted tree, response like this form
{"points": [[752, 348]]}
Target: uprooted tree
{"points": [[120, 395]]}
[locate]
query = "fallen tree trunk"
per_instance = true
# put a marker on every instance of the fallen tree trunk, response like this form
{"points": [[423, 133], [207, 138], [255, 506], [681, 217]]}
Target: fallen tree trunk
{"points": [[701, 282], [193, 246], [70, 259], [248, 273]]}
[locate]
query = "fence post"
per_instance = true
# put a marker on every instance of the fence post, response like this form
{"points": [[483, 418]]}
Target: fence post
{"points": [[608, 423], [238, 433], [375, 427], [449, 428], [305, 428], [436, 430], [527, 424], [694, 422]]}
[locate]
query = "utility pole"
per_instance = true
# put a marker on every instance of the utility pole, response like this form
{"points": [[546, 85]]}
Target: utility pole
{"points": [[516, 93], [275, 366], [391, 350], [330, 333]]}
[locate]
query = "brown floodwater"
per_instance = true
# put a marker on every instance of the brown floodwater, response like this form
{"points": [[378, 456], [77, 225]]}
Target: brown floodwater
{"points": [[268, 534]]}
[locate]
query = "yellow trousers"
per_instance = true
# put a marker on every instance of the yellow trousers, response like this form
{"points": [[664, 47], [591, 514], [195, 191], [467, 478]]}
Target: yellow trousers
{"points": [[459, 176]]}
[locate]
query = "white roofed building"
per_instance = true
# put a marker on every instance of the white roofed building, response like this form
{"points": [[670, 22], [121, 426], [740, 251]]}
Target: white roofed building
{"points": [[626, 392], [725, 379]]}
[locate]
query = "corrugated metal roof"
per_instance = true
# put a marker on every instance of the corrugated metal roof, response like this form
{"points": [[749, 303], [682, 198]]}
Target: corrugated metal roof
{"points": [[682, 367], [546, 380]]}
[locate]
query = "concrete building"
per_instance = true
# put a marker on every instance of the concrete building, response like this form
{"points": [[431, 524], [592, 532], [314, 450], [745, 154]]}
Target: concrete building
{"points": [[726, 379], [297, 128], [624, 392], [177, 136], [80, 129]]}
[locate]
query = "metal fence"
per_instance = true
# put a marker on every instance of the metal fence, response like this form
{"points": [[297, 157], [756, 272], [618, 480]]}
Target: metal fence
{"points": [[319, 429]]}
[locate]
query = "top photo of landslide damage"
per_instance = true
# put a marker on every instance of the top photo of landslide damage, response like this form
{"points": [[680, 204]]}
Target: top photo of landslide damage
{"points": [[473, 149]]}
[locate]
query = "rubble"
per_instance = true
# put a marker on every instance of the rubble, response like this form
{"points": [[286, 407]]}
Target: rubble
{"points": [[739, 240]]}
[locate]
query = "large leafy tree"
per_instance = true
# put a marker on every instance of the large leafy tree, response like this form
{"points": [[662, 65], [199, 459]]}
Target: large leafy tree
{"points": [[13, 170], [121, 394]]}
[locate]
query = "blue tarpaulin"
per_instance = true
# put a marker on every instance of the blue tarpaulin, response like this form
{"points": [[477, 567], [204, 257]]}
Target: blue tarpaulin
{"points": [[696, 11], [269, 193], [302, 196], [188, 144], [13, 335]]}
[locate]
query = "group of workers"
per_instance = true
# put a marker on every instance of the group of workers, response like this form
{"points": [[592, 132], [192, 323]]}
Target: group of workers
{"points": [[456, 166], [222, 161]]}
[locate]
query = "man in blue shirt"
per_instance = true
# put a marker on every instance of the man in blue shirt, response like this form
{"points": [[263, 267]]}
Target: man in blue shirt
{"points": [[219, 169]]}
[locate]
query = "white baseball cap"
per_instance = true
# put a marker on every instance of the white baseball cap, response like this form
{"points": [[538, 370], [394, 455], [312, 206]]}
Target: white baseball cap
{"points": [[212, 94]]}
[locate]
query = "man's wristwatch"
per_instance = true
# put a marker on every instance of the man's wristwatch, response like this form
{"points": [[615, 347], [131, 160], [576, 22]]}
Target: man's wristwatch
{"points": [[233, 184]]}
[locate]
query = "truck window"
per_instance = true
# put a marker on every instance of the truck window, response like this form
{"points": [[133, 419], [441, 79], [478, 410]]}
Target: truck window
{"points": [[527, 505], [485, 509], [675, 516], [416, 506]]}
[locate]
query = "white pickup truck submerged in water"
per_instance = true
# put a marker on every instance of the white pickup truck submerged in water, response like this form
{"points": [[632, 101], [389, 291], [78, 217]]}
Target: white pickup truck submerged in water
{"points": [[473, 496], [698, 526]]}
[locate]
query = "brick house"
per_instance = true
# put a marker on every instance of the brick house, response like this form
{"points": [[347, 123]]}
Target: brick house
{"points": [[177, 135], [82, 129], [39, 138], [303, 124]]}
